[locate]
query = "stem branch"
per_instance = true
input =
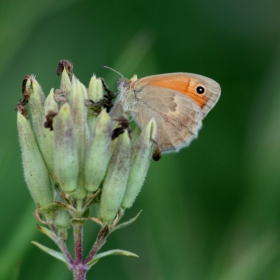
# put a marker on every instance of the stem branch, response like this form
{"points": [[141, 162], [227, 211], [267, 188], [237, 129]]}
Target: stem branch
{"points": [[61, 244], [100, 241]]}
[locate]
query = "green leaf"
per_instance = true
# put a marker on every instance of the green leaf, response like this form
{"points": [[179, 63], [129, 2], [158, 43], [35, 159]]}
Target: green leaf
{"points": [[125, 224], [52, 252], [51, 207], [110, 253], [47, 232]]}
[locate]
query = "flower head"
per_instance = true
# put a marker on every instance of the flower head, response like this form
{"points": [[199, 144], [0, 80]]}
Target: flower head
{"points": [[70, 144]]}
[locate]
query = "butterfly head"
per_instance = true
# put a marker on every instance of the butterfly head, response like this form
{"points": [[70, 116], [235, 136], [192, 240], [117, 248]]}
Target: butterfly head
{"points": [[125, 84]]}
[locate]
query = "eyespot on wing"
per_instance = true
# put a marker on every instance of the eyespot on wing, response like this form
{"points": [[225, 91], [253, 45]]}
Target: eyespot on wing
{"points": [[204, 91]]}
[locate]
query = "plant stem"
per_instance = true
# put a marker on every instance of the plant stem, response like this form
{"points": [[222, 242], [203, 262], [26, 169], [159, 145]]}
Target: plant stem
{"points": [[65, 251], [79, 268], [78, 229], [100, 241], [61, 244]]}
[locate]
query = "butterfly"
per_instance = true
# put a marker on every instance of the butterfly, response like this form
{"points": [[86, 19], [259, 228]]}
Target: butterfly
{"points": [[178, 102]]}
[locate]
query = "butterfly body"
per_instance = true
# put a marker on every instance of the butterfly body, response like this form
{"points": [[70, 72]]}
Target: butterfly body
{"points": [[178, 102]]}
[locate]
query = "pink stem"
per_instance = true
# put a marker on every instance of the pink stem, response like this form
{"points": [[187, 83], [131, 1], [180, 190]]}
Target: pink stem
{"points": [[78, 267], [78, 231], [100, 241], [61, 244]]}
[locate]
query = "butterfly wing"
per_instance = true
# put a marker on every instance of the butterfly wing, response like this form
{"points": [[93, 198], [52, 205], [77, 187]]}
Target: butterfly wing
{"points": [[187, 84], [177, 116]]}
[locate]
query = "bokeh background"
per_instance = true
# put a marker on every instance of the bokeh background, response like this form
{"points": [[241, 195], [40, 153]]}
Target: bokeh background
{"points": [[210, 212]]}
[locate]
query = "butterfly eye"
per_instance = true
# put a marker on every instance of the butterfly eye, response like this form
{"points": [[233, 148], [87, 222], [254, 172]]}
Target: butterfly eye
{"points": [[200, 90]]}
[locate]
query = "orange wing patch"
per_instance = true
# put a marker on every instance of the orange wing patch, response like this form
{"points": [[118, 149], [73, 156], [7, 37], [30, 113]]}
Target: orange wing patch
{"points": [[180, 83]]}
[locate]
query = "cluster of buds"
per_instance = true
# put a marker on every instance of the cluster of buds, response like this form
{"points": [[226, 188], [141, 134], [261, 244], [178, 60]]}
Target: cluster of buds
{"points": [[70, 158]]}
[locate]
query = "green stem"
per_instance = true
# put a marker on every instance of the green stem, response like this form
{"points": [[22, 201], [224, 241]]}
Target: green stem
{"points": [[79, 205]]}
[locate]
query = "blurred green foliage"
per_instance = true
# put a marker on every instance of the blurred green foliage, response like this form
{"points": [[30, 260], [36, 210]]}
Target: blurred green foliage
{"points": [[211, 211]]}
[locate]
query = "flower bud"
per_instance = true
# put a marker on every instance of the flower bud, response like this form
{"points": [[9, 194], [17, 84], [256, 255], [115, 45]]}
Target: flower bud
{"points": [[115, 180], [50, 110], [79, 113], [99, 152], [36, 104], [66, 161], [95, 90], [66, 85], [62, 222], [140, 161], [95, 93], [35, 171]]}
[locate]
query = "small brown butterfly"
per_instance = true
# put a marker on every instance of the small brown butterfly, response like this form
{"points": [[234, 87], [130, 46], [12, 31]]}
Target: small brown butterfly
{"points": [[178, 102]]}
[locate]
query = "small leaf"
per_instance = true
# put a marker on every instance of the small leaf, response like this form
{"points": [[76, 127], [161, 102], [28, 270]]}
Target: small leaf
{"points": [[125, 224], [78, 221], [91, 198], [110, 253], [65, 205], [52, 252], [39, 217], [51, 207], [96, 220], [47, 232]]}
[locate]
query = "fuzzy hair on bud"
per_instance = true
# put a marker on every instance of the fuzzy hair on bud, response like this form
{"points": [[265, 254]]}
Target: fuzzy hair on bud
{"points": [[99, 152], [115, 180], [140, 161], [35, 171], [66, 161]]}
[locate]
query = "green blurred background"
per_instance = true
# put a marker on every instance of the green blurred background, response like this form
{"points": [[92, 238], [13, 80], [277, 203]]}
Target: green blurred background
{"points": [[210, 212]]}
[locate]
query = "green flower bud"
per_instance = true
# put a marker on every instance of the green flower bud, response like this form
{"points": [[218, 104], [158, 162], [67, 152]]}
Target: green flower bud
{"points": [[115, 180], [99, 152], [62, 219], [66, 161], [95, 93], [66, 85], [140, 161], [79, 113], [35, 171], [62, 223], [95, 90], [50, 110], [36, 104]]}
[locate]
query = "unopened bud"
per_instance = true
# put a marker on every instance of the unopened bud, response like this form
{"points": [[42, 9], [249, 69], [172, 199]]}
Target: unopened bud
{"points": [[95, 90], [36, 103], [50, 110], [140, 161], [95, 94], [99, 152], [62, 222], [66, 85], [115, 180], [35, 171], [66, 162], [79, 113]]}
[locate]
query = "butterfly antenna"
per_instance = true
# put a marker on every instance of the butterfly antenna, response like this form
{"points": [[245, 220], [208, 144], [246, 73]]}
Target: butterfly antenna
{"points": [[113, 70]]}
